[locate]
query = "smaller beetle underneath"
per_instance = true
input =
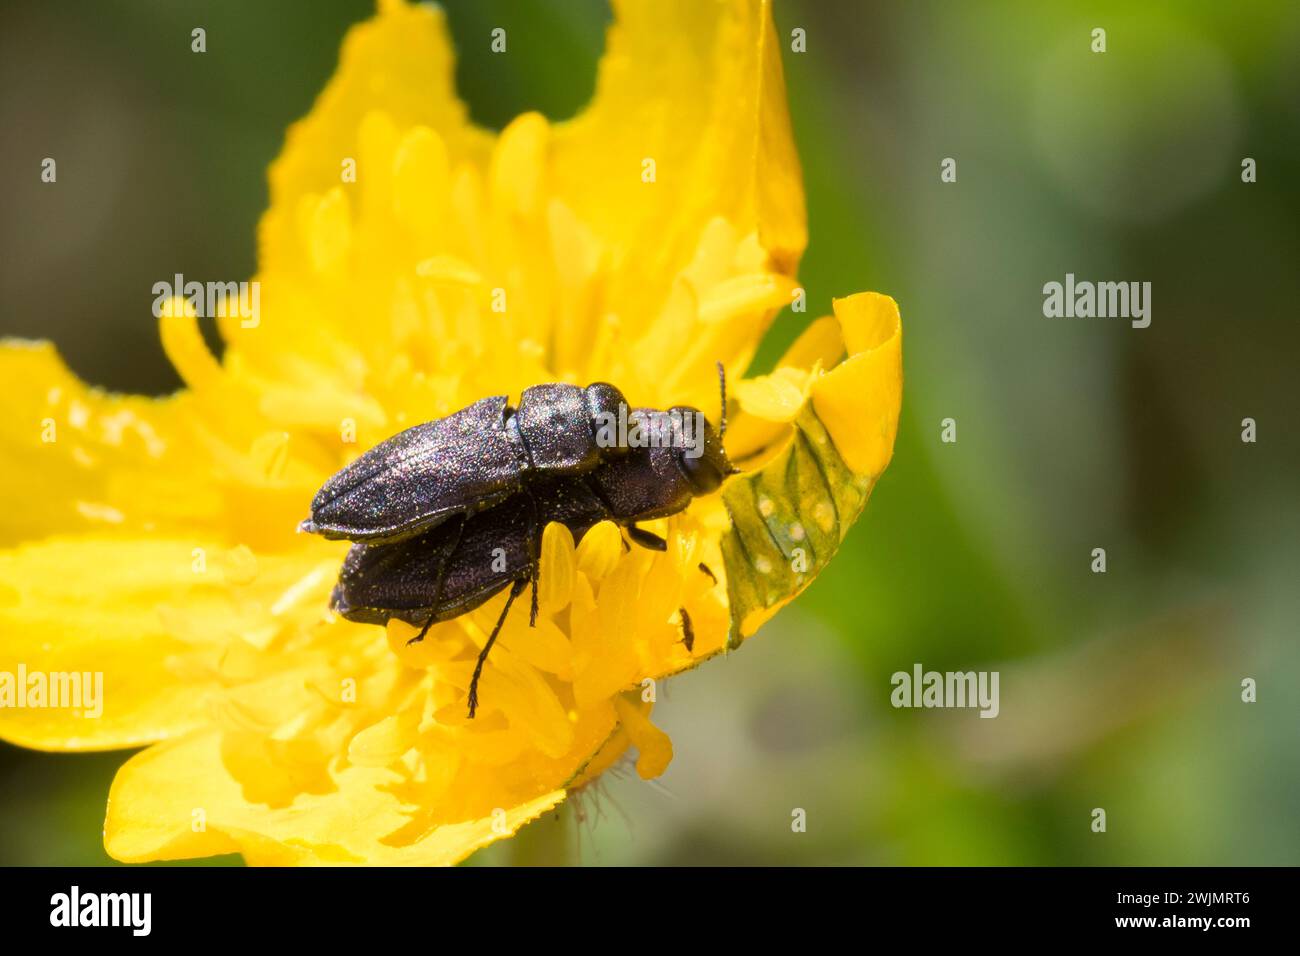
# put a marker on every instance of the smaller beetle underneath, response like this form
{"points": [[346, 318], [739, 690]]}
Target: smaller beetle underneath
{"points": [[448, 514]]}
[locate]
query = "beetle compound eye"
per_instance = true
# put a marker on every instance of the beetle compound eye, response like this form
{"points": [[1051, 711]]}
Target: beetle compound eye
{"points": [[700, 453], [703, 474], [697, 449]]}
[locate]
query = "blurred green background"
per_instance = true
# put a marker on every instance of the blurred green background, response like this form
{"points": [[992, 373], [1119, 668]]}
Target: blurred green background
{"points": [[1119, 691]]}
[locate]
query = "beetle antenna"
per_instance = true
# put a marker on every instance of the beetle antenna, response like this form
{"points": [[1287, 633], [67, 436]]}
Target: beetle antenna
{"points": [[722, 388], [722, 420]]}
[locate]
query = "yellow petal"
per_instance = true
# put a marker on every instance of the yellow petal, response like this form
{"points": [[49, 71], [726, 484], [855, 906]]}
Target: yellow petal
{"points": [[776, 397], [604, 660], [820, 345], [860, 400], [421, 180], [697, 88], [151, 621], [789, 516], [400, 65], [654, 748], [518, 166], [599, 550], [184, 345], [383, 744], [555, 582], [176, 801], [65, 444]]}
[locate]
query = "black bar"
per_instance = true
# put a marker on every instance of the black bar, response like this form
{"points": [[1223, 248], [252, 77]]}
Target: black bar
{"points": [[212, 905]]}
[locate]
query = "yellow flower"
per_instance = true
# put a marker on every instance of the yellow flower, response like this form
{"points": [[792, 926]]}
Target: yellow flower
{"points": [[154, 540]]}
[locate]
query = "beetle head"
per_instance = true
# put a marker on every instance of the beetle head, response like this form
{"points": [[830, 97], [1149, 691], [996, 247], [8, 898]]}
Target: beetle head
{"points": [[707, 471], [699, 453]]}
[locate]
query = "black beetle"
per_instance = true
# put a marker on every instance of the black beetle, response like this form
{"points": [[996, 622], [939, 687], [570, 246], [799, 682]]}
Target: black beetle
{"points": [[465, 462], [442, 571], [453, 568]]}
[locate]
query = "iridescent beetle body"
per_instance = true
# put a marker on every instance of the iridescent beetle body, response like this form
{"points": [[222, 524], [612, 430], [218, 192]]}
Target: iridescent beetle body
{"points": [[466, 462], [442, 528]]}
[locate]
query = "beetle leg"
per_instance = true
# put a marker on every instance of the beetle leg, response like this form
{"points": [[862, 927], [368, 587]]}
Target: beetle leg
{"points": [[437, 588], [705, 568], [647, 539], [424, 630], [482, 655], [532, 611], [688, 630], [535, 549]]}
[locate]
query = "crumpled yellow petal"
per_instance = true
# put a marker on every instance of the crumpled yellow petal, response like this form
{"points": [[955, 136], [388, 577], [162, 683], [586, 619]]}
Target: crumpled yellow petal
{"points": [[788, 517], [810, 469], [860, 401]]}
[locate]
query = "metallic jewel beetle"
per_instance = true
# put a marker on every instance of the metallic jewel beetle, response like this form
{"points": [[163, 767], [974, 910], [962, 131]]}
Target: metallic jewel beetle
{"points": [[438, 535], [465, 462]]}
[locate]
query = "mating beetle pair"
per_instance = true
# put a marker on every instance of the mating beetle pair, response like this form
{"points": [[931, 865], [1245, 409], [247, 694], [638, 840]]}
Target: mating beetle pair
{"points": [[449, 513]]}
